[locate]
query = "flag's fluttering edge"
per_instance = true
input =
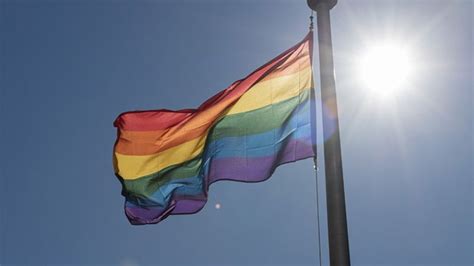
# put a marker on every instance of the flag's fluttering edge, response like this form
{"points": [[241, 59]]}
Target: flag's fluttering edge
{"points": [[166, 160]]}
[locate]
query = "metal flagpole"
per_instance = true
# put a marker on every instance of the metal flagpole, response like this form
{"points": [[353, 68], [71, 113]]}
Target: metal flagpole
{"points": [[336, 206]]}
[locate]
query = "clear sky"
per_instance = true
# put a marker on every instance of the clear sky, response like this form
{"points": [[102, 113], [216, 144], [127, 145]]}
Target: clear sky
{"points": [[68, 68]]}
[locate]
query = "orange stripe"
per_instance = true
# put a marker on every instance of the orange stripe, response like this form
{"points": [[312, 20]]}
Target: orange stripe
{"points": [[150, 142], [261, 94], [293, 64], [194, 123], [162, 119], [172, 136]]}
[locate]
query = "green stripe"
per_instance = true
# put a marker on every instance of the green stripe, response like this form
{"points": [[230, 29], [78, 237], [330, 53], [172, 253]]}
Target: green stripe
{"points": [[247, 123], [147, 185], [258, 120]]}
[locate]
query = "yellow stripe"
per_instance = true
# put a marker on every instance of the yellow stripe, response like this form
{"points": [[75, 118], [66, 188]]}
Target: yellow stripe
{"points": [[263, 93], [133, 166], [272, 91]]}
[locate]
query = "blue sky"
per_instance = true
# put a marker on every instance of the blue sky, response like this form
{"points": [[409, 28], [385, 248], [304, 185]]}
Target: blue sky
{"points": [[68, 68]]}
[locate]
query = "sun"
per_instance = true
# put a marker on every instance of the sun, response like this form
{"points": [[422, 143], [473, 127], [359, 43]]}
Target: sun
{"points": [[385, 69]]}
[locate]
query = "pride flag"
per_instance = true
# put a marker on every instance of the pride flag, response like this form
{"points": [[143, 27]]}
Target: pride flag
{"points": [[166, 160]]}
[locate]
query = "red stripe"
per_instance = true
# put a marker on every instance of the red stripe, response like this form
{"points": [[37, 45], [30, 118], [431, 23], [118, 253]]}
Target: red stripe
{"points": [[163, 118]]}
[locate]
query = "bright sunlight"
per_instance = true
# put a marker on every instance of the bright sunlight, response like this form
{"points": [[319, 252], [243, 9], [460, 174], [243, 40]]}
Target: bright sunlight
{"points": [[385, 69]]}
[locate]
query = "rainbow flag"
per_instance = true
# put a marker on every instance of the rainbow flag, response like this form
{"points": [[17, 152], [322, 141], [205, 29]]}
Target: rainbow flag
{"points": [[166, 160]]}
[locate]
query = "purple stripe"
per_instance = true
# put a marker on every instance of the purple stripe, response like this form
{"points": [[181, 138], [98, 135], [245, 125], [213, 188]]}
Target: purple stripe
{"points": [[189, 206], [151, 215], [237, 169], [258, 169], [146, 215], [246, 170]]}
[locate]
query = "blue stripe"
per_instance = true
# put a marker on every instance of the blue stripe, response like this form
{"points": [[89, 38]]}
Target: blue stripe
{"points": [[263, 144], [296, 127], [193, 186]]}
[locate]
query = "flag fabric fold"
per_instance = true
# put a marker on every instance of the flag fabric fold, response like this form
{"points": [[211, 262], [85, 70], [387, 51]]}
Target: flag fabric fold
{"points": [[166, 160]]}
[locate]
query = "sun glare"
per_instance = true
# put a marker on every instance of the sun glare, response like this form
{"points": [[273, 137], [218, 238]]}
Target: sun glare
{"points": [[385, 69]]}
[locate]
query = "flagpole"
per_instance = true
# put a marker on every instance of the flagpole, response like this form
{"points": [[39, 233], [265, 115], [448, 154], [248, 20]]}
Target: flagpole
{"points": [[336, 206]]}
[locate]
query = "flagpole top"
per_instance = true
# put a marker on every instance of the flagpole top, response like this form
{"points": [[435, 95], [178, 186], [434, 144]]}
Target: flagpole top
{"points": [[316, 4]]}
